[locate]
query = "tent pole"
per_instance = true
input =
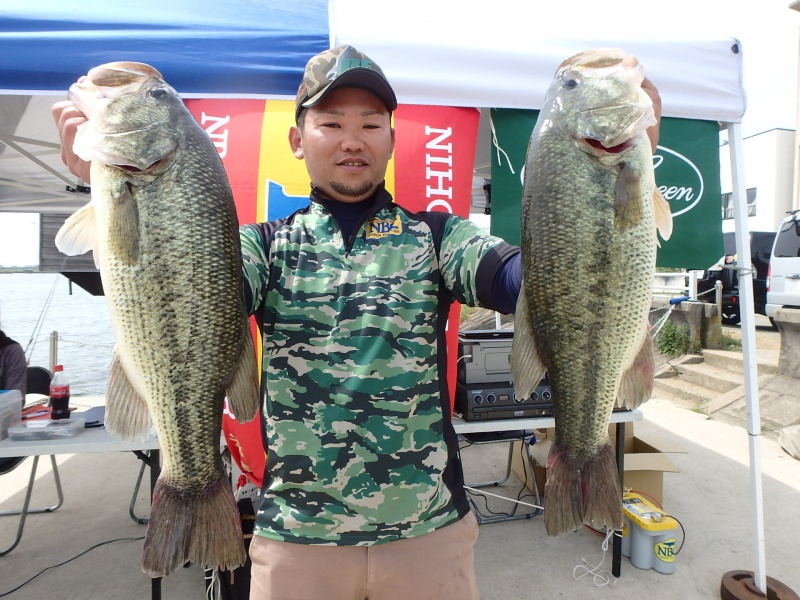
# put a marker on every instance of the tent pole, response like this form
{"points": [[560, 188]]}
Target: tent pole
{"points": [[745, 273]]}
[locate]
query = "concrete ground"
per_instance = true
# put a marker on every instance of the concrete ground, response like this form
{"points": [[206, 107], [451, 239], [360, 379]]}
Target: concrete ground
{"points": [[712, 497]]}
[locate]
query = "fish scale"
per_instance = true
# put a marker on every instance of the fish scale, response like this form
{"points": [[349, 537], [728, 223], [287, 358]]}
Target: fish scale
{"points": [[164, 229], [589, 217]]}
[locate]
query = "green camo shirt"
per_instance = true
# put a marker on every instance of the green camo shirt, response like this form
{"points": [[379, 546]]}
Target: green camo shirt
{"points": [[357, 412]]}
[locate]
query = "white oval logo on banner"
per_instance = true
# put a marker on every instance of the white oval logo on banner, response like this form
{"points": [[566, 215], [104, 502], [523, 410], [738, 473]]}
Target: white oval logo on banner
{"points": [[683, 194]]}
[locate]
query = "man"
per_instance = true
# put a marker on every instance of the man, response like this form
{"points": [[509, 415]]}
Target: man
{"points": [[363, 495]]}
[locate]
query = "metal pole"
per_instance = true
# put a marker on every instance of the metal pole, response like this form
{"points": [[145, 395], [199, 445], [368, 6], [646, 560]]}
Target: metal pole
{"points": [[693, 275], [53, 350], [745, 274]]}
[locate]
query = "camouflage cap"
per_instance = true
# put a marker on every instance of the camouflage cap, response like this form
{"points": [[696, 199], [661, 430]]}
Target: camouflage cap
{"points": [[337, 67]]}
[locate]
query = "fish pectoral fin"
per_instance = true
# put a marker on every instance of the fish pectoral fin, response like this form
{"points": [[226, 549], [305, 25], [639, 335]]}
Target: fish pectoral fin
{"points": [[242, 391], [527, 369], [78, 233], [636, 384], [663, 214], [124, 225], [627, 198], [127, 415]]}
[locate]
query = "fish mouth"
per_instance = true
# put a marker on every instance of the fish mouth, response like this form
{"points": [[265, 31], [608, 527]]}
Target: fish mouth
{"points": [[148, 170], [598, 145], [111, 132], [130, 165]]}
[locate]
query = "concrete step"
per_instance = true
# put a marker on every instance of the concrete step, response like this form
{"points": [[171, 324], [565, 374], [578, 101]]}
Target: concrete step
{"points": [[715, 379], [767, 361], [686, 394]]}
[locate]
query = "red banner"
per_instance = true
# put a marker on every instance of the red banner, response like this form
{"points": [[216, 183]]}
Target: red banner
{"points": [[235, 128], [431, 170], [434, 160]]}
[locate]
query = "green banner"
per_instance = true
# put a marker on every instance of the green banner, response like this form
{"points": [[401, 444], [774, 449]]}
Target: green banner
{"points": [[687, 173]]}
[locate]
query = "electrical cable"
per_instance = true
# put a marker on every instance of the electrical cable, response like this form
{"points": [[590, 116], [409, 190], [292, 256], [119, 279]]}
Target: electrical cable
{"points": [[130, 539], [483, 493], [472, 492]]}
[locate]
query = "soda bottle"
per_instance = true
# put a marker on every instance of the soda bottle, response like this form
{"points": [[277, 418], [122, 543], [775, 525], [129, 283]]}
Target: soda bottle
{"points": [[59, 394]]}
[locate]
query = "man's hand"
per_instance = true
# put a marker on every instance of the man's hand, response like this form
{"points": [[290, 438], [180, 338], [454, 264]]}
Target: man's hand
{"points": [[67, 119], [653, 131]]}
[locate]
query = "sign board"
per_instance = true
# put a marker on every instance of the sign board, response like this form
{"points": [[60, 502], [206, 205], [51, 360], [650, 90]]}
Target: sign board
{"points": [[431, 170], [686, 169]]}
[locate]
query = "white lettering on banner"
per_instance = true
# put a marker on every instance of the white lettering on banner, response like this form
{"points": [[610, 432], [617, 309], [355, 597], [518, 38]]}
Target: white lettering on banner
{"points": [[676, 193], [689, 190], [220, 138], [440, 155]]}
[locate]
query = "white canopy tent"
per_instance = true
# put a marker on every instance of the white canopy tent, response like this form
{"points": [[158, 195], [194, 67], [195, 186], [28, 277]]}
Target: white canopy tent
{"points": [[501, 54]]}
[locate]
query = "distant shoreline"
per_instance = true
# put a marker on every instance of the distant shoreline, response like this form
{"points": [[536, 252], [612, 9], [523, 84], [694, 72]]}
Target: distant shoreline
{"points": [[31, 269]]}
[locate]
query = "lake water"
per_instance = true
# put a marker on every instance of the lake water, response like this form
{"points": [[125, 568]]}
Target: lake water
{"points": [[32, 305]]}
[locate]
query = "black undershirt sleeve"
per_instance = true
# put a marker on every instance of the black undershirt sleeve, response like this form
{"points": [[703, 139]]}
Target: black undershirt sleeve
{"points": [[500, 279]]}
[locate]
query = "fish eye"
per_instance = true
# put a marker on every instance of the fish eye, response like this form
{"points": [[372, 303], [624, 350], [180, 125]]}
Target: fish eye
{"points": [[157, 93], [571, 84]]}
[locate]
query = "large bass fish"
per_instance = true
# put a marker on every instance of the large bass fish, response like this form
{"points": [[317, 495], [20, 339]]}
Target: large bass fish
{"points": [[590, 209], [164, 232]]}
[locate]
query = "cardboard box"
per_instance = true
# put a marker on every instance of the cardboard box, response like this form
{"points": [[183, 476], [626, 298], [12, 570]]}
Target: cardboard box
{"points": [[646, 461], [539, 471]]}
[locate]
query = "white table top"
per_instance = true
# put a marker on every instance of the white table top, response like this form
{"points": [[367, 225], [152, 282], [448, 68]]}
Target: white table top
{"points": [[97, 439], [91, 439], [462, 426]]}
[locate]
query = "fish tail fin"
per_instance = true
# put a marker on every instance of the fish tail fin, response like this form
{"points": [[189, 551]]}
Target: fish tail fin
{"points": [[242, 391], [127, 415], [186, 527], [636, 384], [527, 369], [563, 496], [602, 491]]}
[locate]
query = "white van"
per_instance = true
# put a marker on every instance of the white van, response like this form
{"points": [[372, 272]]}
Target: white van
{"points": [[783, 282]]}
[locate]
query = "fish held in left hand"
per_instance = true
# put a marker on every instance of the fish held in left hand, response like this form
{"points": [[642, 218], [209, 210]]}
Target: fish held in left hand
{"points": [[590, 213], [163, 228]]}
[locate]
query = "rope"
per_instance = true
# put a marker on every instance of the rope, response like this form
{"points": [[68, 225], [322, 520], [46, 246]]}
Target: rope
{"points": [[600, 577], [84, 344]]}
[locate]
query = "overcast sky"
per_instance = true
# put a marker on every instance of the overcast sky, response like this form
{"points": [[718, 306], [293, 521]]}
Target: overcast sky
{"points": [[768, 30]]}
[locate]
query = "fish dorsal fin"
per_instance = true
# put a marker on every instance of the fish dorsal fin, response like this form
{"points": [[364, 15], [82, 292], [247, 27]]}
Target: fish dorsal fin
{"points": [[527, 369], [663, 214], [636, 384], [242, 391], [78, 233]]}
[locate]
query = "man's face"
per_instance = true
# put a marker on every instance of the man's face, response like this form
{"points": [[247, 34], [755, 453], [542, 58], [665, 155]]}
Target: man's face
{"points": [[346, 141]]}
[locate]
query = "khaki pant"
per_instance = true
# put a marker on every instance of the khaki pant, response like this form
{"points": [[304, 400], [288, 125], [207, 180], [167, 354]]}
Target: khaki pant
{"points": [[435, 566]]}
